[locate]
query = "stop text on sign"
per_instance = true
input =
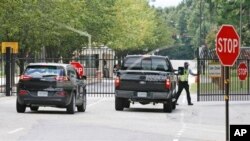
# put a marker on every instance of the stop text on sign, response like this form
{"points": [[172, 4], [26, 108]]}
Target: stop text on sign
{"points": [[79, 70], [242, 71], [227, 45]]}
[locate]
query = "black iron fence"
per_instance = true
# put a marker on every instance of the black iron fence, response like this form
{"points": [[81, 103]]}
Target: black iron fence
{"points": [[211, 78], [99, 67]]}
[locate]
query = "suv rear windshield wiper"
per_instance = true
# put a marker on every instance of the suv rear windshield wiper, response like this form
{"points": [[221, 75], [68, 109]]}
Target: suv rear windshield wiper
{"points": [[49, 75]]}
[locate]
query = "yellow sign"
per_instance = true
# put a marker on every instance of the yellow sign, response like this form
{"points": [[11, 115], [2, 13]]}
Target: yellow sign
{"points": [[13, 45]]}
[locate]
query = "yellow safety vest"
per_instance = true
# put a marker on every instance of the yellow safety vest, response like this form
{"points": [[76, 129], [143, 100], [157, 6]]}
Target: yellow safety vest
{"points": [[184, 77]]}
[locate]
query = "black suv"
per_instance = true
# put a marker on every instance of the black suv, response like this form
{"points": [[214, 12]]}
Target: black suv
{"points": [[51, 84]]}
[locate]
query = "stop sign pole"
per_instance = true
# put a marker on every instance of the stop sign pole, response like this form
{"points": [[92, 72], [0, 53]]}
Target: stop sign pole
{"points": [[226, 81], [227, 50]]}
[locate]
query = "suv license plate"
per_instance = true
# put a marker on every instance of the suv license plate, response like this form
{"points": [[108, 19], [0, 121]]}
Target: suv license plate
{"points": [[42, 93], [141, 94]]}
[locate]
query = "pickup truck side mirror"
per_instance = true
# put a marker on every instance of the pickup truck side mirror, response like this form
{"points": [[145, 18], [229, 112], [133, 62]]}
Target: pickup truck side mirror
{"points": [[84, 77], [180, 70], [175, 71]]}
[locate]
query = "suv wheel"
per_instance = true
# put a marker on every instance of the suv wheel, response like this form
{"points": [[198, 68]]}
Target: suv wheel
{"points": [[82, 107], [167, 107], [20, 108], [119, 104], [34, 108], [71, 106]]}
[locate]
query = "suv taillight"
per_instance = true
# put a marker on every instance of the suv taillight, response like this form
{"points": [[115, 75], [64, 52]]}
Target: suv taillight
{"points": [[25, 77], [167, 83], [61, 93], [117, 82], [23, 92]]}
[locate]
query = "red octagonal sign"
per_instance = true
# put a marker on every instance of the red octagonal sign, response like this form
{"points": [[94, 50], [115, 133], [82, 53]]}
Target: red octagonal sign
{"points": [[79, 68], [242, 71], [227, 45]]}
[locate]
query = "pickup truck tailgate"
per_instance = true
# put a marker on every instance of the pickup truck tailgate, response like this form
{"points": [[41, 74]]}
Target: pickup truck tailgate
{"points": [[143, 80]]}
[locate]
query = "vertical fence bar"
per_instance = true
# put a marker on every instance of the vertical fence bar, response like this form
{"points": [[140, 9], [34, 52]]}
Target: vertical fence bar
{"points": [[8, 72], [248, 65], [199, 75], [2, 73]]}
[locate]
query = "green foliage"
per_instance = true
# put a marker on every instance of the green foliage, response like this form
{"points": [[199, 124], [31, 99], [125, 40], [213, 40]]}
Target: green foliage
{"points": [[51, 24], [124, 25], [199, 20], [32, 24], [134, 25]]}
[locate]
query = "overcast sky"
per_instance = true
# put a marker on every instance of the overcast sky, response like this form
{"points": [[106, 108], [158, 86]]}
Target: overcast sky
{"points": [[165, 3]]}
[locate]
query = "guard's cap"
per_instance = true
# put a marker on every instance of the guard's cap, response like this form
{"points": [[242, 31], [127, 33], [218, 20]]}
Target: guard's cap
{"points": [[186, 63]]}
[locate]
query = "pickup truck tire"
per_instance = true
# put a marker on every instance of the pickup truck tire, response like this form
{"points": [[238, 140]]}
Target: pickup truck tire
{"points": [[173, 105], [126, 103], [167, 107], [119, 104]]}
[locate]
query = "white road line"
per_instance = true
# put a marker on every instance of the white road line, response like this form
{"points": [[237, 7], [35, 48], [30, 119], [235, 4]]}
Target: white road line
{"points": [[16, 130], [98, 101], [183, 128]]}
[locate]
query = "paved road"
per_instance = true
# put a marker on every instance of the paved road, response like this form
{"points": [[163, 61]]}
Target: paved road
{"points": [[201, 122]]}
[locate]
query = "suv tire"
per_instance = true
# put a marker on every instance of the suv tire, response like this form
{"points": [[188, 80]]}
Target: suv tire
{"points": [[82, 107], [71, 106], [20, 108]]}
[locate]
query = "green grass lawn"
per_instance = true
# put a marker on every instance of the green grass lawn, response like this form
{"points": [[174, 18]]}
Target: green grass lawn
{"points": [[236, 86]]}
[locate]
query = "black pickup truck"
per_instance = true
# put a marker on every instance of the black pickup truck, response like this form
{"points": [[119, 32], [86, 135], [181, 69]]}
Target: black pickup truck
{"points": [[146, 79]]}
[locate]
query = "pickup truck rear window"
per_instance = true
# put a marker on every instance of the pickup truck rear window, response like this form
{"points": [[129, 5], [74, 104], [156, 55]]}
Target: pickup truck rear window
{"points": [[41, 71], [155, 64]]}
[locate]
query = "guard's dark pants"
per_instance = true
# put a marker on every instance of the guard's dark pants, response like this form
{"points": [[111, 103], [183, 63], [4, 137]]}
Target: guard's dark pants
{"points": [[183, 84]]}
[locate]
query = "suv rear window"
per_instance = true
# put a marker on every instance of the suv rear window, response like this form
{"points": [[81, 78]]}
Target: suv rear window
{"points": [[41, 71], [136, 63]]}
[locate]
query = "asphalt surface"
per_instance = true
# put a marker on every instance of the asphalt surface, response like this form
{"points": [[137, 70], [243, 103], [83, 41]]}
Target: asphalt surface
{"points": [[205, 121]]}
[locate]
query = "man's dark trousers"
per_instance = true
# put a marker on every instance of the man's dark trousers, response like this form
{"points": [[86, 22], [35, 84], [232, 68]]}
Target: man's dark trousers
{"points": [[181, 85]]}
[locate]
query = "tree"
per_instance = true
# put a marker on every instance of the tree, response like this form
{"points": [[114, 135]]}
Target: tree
{"points": [[134, 25]]}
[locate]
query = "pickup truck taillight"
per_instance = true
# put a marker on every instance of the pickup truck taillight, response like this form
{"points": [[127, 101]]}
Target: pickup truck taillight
{"points": [[117, 82], [167, 83]]}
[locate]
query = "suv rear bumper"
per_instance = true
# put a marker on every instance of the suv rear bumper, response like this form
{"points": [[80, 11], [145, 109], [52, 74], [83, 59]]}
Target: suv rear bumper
{"points": [[133, 95], [45, 101]]}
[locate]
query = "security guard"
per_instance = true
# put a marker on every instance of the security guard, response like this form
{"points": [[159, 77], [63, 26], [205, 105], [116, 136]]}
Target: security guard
{"points": [[183, 83]]}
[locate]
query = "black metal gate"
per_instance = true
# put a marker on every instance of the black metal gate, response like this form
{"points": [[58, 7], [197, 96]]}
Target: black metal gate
{"points": [[211, 78], [99, 67]]}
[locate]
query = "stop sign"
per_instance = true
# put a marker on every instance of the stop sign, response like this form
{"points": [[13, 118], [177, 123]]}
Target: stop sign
{"points": [[79, 68], [242, 71], [227, 45]]}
